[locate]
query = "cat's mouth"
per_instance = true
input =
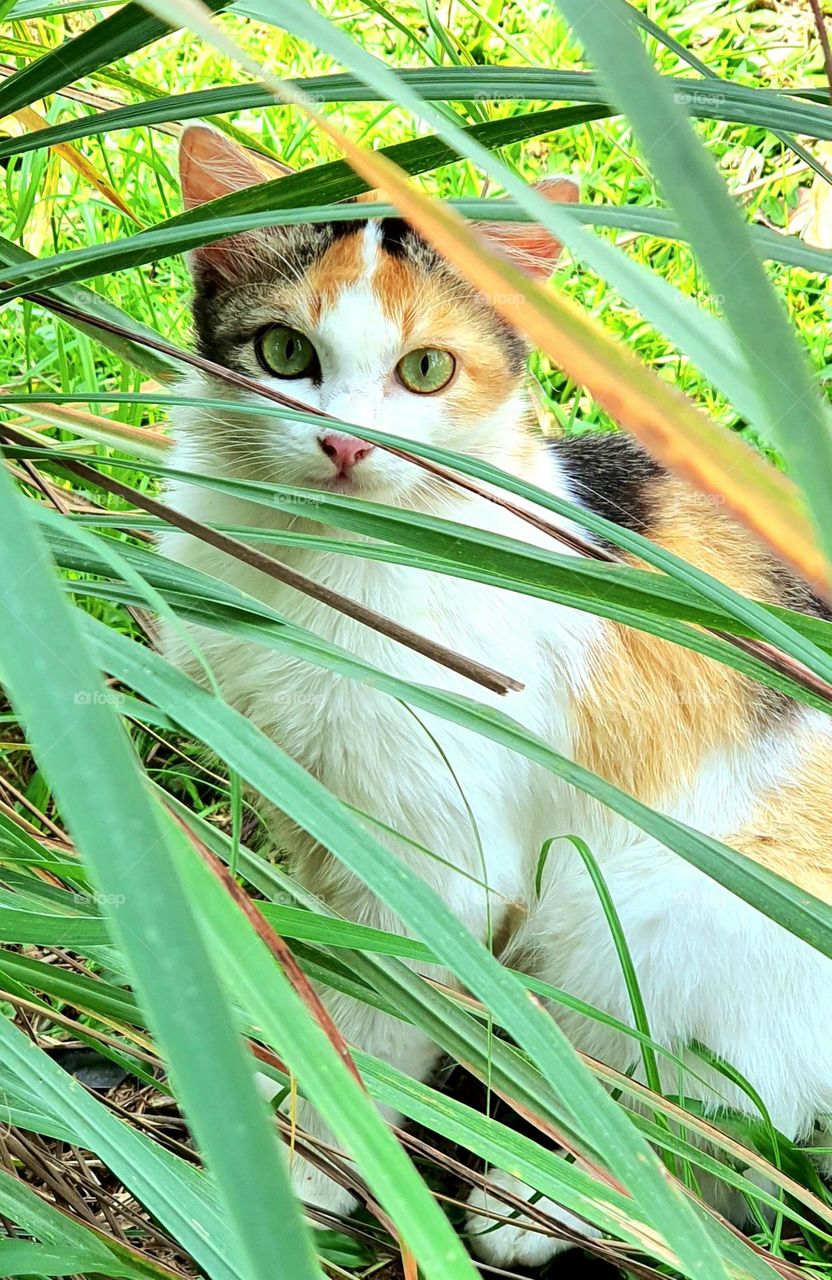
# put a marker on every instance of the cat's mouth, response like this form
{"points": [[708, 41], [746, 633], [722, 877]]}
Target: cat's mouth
{"points": [[363, 480], [348, 482], [344, 482]]}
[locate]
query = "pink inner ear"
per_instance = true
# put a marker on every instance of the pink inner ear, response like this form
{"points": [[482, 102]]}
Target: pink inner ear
{"points": [[210, 166], [529, 247]]}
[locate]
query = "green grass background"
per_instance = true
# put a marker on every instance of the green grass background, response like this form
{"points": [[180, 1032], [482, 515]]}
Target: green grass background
{"points": [[48, 207]]}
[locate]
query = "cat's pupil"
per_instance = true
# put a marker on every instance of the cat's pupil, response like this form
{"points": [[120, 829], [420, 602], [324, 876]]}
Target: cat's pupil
{"points": [[290, 349], [424, 365]]}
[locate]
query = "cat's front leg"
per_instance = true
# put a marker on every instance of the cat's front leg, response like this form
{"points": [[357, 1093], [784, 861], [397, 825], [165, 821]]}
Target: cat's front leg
{"points": [[522, 1242], [383, 1036]]}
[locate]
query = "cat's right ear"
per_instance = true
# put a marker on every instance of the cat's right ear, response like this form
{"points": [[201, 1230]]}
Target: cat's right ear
{"points": [[210, 166]]}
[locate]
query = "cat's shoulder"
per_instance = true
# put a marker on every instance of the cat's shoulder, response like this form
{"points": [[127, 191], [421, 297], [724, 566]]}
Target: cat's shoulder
{"points": [[613, 476]]}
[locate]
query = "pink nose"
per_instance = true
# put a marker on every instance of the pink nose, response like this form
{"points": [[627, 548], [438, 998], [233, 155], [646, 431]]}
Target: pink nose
{"points": [[345, 451]]}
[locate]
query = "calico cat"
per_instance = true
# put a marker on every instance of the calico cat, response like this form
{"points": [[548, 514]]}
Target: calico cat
{"points": [[365, 321]]}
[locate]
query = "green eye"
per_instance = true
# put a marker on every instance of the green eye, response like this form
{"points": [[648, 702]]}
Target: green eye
{"points": [[426, 369], [286, 352]]}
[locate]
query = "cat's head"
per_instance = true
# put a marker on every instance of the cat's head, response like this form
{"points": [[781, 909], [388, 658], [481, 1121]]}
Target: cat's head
{"points": [[364, 320]]}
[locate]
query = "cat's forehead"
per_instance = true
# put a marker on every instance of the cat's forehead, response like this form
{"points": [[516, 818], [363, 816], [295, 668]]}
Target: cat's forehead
{"points": [[357, 243], [364, 283], [349, 305], [382, 261]]}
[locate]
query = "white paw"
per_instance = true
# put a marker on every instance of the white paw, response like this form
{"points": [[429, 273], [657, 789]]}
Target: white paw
{"points": [[318, 1191], [520, 1245], [308, 1182]]}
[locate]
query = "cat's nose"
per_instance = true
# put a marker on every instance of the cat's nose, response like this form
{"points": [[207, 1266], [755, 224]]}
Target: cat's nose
{"points": [[344, 451]]}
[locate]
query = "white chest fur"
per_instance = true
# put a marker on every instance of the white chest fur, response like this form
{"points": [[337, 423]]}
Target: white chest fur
{"points": [[474, 804]]}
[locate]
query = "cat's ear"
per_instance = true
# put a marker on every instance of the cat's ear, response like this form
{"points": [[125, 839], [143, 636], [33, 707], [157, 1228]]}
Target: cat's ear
{"points": [[211, 165], [528, 246]]}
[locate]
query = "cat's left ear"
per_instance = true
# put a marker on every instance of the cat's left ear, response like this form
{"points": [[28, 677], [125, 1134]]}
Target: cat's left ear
{"points": [[528, 246]]}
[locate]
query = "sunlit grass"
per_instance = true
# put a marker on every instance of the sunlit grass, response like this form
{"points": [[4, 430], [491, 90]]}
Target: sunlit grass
{"points": [[140, 164]]}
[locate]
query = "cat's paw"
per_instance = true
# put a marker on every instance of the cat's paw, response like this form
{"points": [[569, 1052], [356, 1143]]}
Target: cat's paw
{"points": [[318, 1191], [520, 1244], [308, 1182]]}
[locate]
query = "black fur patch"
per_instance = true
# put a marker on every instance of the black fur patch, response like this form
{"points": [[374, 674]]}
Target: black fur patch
{"points": [[340, 230], [794, 593], [613, 476], [395, 233]]}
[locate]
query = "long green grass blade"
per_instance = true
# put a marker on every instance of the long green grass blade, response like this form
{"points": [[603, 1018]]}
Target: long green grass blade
{"points": [[200, 600], [176, 1193], [123, 32], [57, 689], [721, 241], [715, 100]]}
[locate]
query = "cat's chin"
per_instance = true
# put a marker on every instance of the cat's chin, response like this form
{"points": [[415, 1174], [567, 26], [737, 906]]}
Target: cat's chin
{"points": [[344, 484], [372, 488]]}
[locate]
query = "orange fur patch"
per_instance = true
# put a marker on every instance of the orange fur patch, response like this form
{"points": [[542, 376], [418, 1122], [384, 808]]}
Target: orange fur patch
{"points": [[341, 266], [400, 289], [432, 312], [654, 711], [790, 831]]}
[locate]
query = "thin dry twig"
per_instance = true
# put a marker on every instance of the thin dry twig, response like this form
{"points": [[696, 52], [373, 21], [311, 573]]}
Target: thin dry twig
{"points": [[45, 1010], [823, 36], [48, 1169], [19, 796]]}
